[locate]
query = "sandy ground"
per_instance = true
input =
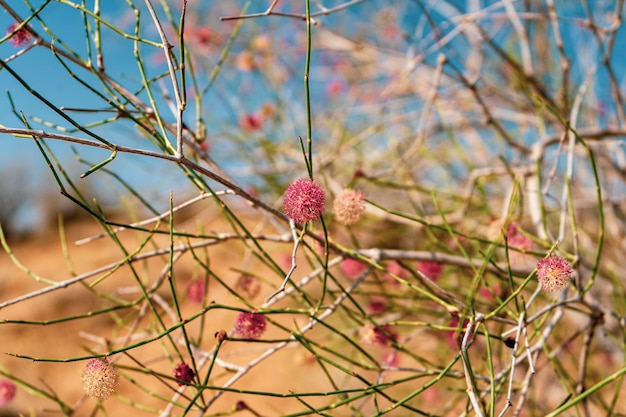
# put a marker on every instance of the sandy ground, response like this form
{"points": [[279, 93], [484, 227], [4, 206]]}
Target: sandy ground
{"points": [[288, 370], [58, 344], [44, 257]]}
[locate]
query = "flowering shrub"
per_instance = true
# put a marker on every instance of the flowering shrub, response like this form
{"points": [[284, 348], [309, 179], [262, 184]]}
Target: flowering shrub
{"points": [[456, 142]]}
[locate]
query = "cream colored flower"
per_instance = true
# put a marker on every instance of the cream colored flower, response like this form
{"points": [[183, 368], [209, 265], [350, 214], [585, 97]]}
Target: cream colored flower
{"points": [[348, 207]]}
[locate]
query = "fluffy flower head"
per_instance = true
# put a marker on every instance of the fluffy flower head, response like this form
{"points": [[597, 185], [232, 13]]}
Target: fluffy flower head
{"points": [[7, 391], [348, 207], [183, 374], [250, 325], [19, 38], [304, 201], [373, 335], [100, 379], [554, 273]]}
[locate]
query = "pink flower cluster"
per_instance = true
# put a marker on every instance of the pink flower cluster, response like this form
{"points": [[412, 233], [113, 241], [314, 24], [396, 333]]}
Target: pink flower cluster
{"points": [[183, 374], [554, 273], [304, 201], [21, 37], [250, 325]]}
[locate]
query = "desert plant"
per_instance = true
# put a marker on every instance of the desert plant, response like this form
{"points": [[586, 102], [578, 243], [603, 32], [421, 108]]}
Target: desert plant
{"points": [[329, 207]]}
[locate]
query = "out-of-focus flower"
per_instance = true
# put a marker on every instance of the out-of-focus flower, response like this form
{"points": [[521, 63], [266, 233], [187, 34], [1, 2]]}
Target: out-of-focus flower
{"points": [[206, 36], [267, 111], [334, 87], [377, 304], [554, 273], [352, 268], [348, 207], [396, 269], [196, 289], [203, 36], [376, 335], [517, 240], [7, 391], [261, 43], [304, 201], [251, 122], [21, 37], [248, 285], [245, 61], [183, 374], [431, 269], [250, 325], [100, 379], [520, 241]]}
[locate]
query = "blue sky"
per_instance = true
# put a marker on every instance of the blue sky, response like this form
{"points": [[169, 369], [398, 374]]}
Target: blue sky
{"points": [[235, 92]]}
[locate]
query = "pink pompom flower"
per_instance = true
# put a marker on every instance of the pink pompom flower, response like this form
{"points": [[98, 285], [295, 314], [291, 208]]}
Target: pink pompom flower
{"points": [[183, 374], [21, 37], [304, 201], [554, 273], [250, 325]]}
